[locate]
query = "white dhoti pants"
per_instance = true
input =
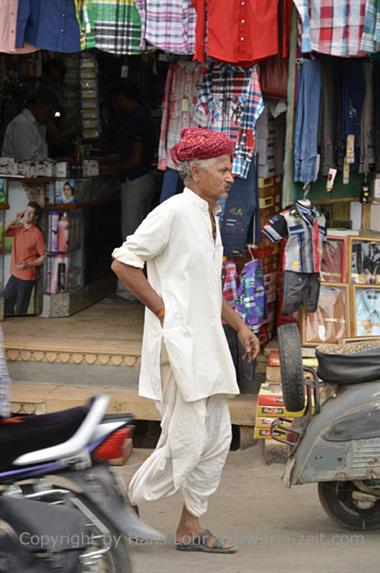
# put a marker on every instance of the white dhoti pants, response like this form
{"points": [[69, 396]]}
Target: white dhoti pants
{"points": [[192, 449]]}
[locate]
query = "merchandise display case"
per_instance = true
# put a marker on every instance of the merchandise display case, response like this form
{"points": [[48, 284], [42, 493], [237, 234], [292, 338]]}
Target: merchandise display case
{"points": [[331, 321], [334, 260]]}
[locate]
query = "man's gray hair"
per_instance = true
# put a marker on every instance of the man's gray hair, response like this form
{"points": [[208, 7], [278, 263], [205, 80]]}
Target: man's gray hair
{"points": [[184, 167]]}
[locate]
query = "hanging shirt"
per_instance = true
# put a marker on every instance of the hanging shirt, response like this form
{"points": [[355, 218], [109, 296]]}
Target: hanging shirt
{"points": [[332, 27], [184, 266], [168, 25], [8, 26], [230, 101], [48, 25], [239, 31], [371, 32], [25, 139], [110, 25], [179, 104], [305, 230]]}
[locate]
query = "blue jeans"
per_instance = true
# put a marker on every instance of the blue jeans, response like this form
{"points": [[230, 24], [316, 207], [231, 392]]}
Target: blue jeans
{"points": [[352, 99], [238, 211], [170, 184], [307, 119]]}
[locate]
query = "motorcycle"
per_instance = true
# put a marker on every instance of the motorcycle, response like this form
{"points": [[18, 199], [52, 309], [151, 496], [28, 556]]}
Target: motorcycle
{"points": [[63, 458], [36, 537], [336, 442]]}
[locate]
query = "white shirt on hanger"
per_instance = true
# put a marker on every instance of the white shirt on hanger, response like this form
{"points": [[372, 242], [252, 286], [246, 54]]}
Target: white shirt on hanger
{"points": [[25, 139], [184, 266]]}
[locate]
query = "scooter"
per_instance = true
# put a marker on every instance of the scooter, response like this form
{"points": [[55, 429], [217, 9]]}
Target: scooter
{"points": [[336, 442], [63, 458]]}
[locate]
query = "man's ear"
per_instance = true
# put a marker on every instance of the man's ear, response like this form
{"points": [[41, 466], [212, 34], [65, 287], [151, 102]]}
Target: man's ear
{"points": [[195, 172]]}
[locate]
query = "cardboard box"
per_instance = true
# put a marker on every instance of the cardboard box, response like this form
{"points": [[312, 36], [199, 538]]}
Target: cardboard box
{"points": [[277, 411], [264, 182]]}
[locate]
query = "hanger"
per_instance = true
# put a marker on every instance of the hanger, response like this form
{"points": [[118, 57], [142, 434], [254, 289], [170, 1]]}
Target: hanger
{"points": [[306, 190]]}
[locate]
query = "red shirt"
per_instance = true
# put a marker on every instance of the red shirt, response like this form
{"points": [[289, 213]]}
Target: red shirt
{"points": [[28, 245], [238, 31]]}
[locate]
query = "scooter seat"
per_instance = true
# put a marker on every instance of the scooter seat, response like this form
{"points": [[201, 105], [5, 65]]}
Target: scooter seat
{"points": [[351, 363], [25, 434]]}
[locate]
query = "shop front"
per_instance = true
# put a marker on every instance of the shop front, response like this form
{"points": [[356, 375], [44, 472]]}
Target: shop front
{"points": [[299, 96]]}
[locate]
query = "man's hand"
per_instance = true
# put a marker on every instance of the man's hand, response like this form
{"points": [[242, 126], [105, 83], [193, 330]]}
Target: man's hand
{"points": [[250, 343], [22, 266]]}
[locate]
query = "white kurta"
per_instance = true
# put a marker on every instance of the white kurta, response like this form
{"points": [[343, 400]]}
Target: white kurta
{"points": [[184, 266]]}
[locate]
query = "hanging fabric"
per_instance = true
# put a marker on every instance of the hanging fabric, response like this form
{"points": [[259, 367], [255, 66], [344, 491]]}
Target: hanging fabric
{"points": [[168, 25], [8, 26], [179, 105], [371, 32], [332, 27], [112, 26], [238, 210], [307, 118], [230, 101], [237, 32], [48, 25]]}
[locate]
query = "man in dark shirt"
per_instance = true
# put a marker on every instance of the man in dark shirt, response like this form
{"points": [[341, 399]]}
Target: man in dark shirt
{"points": [[136, 151]]}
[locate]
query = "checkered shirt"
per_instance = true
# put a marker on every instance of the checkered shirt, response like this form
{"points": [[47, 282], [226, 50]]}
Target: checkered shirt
{"points": [[110, 25], [332, 27], [230, 101], [168, 25], [371, 33], [182, 87]]}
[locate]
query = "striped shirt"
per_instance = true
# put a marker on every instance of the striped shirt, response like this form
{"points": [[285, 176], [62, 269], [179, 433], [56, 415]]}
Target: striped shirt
{"points": [[231, 102], [110, 25], [305, 230], [168, 25]]}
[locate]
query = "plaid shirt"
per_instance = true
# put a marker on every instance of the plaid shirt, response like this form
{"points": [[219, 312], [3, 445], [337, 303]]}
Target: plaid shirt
{"points": [[230, 101], [332, 26], [168, 25], [110, 25], [371, 33], [182, 87]]}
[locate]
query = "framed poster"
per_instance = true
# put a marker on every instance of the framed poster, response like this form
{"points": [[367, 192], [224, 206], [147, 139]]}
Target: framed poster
{"points": [[331, 322], [24, 249], [365, 260], [366, 311]]}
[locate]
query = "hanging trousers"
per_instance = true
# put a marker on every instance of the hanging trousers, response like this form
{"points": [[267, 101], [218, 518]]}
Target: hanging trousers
{"points": [[192, 449]]}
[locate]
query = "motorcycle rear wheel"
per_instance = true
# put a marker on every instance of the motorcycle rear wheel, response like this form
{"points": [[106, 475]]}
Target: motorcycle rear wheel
{"points": [[336, 499]]}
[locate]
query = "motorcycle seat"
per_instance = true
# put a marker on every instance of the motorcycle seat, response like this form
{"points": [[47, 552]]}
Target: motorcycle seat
{"points": [[23, 434], [350, 363]]}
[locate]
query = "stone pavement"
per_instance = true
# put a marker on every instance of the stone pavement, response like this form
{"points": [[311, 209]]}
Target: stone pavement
{"points": [[279, 530]]}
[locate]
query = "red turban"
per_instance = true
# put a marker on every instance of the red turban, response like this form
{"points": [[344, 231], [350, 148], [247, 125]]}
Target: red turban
{"points": [[199, 143]]}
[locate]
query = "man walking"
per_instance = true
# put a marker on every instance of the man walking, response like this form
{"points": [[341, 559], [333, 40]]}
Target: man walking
{"points": [[186, 364], [28, 253]]}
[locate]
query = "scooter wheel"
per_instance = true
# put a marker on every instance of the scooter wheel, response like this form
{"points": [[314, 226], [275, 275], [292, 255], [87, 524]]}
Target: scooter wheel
{"points": [[292, 379], [336, 499]]}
